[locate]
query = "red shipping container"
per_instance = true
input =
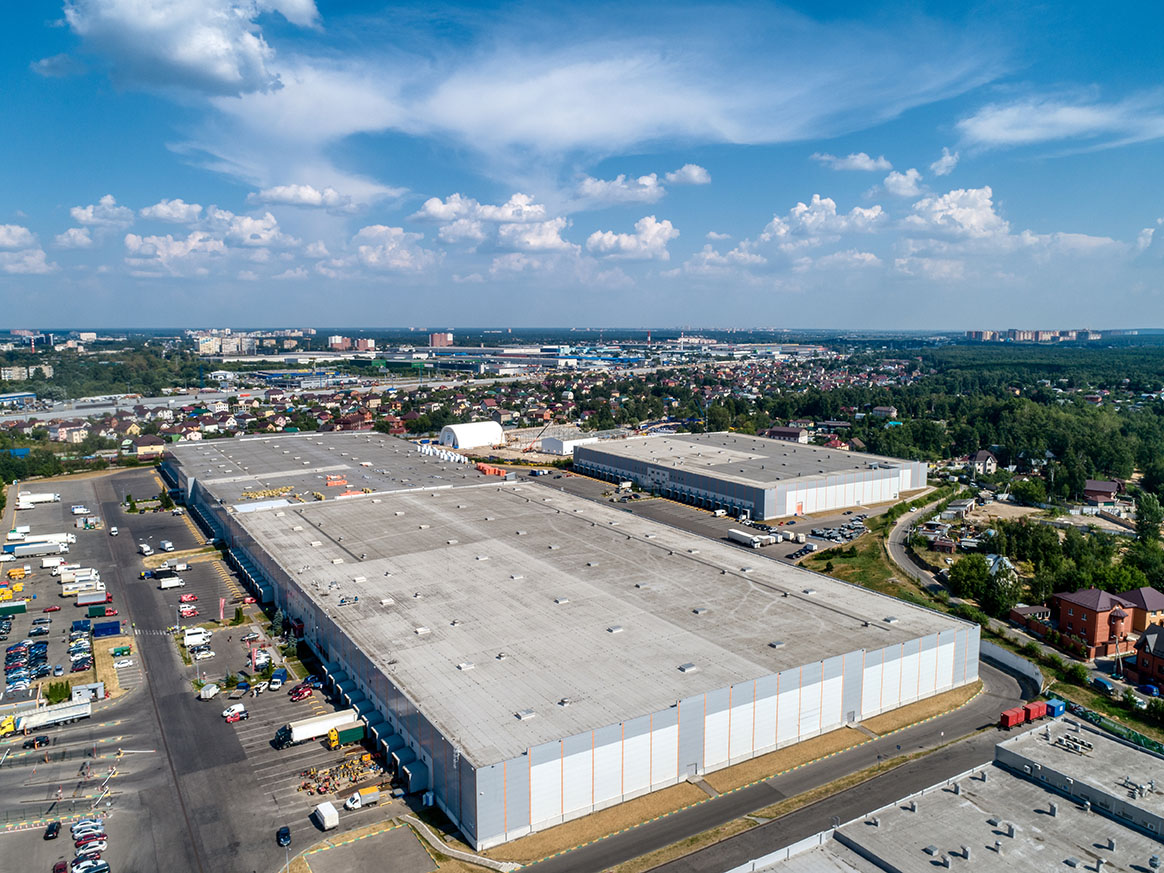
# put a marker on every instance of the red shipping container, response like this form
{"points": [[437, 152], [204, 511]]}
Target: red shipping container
{"points": [[1036, 709], [1012, 717]]}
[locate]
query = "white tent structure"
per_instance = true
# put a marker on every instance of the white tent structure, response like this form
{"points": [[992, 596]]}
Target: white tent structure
{"points": [[472, 435]]}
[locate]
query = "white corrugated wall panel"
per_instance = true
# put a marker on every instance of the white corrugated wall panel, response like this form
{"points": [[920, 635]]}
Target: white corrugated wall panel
{"points": [[545, 791], [636, 763], [742, 720], [928, 670], [945, 665], [830, 715], [608, 771], [578, 771], [664, 754], [715, 739], [766, 722], [871, 684], [810, 709], [909, 672], [891, 679], [788, 709]]}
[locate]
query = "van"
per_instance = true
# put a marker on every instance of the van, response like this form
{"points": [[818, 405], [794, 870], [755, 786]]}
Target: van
{"points": [[720, 513], [166, 546], [1103, 685], [195, 636], [113, 531], [145, 549]]}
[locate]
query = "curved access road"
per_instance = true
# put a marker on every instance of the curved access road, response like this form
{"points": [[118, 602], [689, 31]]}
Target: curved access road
{"points": [[895, 543]]}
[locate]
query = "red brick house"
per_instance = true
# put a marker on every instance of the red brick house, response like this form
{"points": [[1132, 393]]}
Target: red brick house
{"points": [[1100, 619], [1148, 666], [1149, 607]]}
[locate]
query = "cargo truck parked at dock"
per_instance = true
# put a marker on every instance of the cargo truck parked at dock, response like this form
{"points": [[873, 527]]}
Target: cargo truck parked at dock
{"points": [[314, 728]]}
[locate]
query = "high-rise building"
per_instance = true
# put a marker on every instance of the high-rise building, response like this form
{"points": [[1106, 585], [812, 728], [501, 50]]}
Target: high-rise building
{"points": [[440, 340]]}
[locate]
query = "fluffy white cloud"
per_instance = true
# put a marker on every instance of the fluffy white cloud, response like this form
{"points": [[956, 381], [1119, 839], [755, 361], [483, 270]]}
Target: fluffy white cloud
{"points": [[14, 236], [649, 241], [938, 269], [541, 236], [248, 230], [903, 184], [963, 212], [74, 238], [689, 174], [176, 211], [301, 195], [317, 249], [715, 235], [516, 262], [847, 260], [463, 230], [292, 273], [944, 165], [620, 189], [809, 224], [212, 46], [855, 161], [392, 249], [518, 208], [104, 213], [175, 256], [737, 257], [29, 262]]}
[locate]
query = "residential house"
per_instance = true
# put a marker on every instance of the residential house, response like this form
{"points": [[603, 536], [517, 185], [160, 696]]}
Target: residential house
{"points": [[1149, 607], [1148, 666], [1101, 620], [786, 434], [147, 448], [983, 463], [885, 412], [1100, 491]]}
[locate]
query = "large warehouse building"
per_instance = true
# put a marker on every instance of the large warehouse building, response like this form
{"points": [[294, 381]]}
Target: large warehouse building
{"points": [[767, 478], [529, 656]]}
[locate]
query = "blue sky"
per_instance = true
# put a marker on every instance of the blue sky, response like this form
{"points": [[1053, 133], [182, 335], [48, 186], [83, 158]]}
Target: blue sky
{"points": [[196, 162]]}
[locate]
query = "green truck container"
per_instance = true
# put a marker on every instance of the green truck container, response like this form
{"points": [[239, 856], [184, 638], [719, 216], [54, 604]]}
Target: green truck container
{"points": [[121, 651], [345, 735], [15, 607], [97, 611]]}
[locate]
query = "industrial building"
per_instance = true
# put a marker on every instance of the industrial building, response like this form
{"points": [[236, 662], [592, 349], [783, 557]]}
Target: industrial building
{"points": [[766, 478], [1061, 796], [472, 435], [528, 656]]}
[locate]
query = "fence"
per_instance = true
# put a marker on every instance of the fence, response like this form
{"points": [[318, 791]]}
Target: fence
{"points": [[1004, 657]]}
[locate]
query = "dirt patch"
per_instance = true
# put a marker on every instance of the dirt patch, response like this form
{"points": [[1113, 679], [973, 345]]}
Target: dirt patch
{"points": [[103, 662], [787, 758], [923, 709], [597, 825], [1006, 511]]}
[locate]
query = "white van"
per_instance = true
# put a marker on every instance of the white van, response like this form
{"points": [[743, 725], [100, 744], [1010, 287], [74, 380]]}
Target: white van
{"points": [[145, 549], [113, 531], [195, 636], [166, 546]]}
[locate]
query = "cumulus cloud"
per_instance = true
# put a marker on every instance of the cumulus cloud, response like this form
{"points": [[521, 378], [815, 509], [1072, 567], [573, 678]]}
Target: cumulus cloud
{"points": [[301, 195], [855, 161], [317, 249], [518, 208], [29, 262], [175, 256], [689, 174], [292, 273], [817, 221], [14, 236], [104, 213], [903, 184], [620, 189], [541, 236], [649, 241], [57, 67], [708, 257], [516, 262], [248, 230], [74, 238], [944, 165], [463, 230], [176, 211], [938, 269], [210, 46], [847, 260], [716, 235], [392, 249], [963, 212]]}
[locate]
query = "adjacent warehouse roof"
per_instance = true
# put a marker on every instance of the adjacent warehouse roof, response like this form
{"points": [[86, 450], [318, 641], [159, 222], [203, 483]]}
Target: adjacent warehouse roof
{"points": [[473, 435], [488, 601], [747, 460]]}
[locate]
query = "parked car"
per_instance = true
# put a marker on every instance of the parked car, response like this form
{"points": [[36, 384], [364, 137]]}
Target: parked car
{"points": [[53, 830], [123, 663], [300, 693], [189, 598], [283, 836], [113, 531], [53, 608], [251, 637], [237, 716], [232, 709]]}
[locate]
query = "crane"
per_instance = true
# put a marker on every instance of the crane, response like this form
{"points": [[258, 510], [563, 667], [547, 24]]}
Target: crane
{"points": [[532, 442]]}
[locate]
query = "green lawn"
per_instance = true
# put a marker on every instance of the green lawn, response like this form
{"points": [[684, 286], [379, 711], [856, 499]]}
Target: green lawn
{"points": [[864, 563]]}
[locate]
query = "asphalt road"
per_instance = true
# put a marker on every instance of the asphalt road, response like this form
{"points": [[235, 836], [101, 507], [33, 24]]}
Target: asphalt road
{"points": [[1001, 692], [896, 544]]}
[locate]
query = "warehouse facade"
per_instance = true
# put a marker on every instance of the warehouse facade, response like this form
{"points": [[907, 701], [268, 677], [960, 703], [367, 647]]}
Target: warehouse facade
{"points": [[767, 478], [453, 651]]}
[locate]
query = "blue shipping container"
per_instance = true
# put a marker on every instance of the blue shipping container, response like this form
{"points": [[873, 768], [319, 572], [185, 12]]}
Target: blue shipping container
{"points": [[106, 629], [1055, 708], [82, 625]]}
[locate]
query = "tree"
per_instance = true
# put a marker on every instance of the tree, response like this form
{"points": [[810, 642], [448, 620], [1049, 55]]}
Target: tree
{"points": [[1001, 592], [1129, 698], [239, 617], [165, 500], [969, 576], [277, 622], [1031, 491], [1077, 673], [1149, 517], [230, 681]]}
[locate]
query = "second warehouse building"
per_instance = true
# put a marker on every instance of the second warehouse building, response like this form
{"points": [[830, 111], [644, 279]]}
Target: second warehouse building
{"points": [[528, 656]]}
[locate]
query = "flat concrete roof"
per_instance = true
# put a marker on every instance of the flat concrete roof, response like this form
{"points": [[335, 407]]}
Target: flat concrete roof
{"points": [[747, 460], [587, 603], [1109, 765], [232, 468], [947, 822]]}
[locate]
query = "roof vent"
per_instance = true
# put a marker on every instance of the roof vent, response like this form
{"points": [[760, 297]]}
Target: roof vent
{"points": [[424, 527], [387, 601], [516, 577], [297, 527], [337, 560], [398, 513], [776, 644], [525, 714], [482, 557], [591, 563], [614, 629], [891, 619], [561, 600], [451, 542], [521, 533], [700, 610], [501, 656], [649, 536], [422, 631], [315, 544], [455, 622], [688, 668], [565, 701], [810, 591], [468, 665], [554, 546]]}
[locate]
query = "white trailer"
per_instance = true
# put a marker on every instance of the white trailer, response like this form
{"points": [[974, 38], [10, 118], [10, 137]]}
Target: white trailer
{"points": [[752, 541], [52, 538], [62, 569], [35, 550], [37, 497], [167, 584], [313, 728], [50, 562]]}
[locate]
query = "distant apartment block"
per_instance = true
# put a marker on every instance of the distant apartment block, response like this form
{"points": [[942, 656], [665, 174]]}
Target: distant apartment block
{"points": [[339, 343], [440, 340]]}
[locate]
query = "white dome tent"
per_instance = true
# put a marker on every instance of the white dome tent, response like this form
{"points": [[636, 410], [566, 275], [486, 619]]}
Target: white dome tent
{"points": [[472, 435]]}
